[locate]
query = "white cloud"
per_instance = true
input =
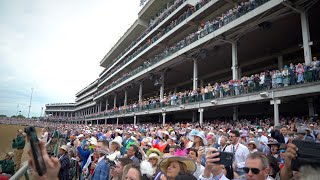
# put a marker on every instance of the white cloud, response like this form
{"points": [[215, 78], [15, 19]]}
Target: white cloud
{"points": [[56, 46]]}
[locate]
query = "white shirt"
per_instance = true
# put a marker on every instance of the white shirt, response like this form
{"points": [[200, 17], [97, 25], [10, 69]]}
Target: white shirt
{"points": [[199, 171], [263, 139], [219, 177], [241, 153]]}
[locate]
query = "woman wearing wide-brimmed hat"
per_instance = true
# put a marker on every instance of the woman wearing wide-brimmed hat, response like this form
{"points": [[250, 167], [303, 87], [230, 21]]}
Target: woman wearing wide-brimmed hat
{"points": [[252, 146], [173, 166], [115, 146], [154, 160], [198, 138]]}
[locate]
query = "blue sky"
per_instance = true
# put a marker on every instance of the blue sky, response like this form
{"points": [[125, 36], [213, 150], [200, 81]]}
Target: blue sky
{"points": [[55, 47]]}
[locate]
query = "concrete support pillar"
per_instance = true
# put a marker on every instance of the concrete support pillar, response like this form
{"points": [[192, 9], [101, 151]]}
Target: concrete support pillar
{"points": [[97, 122], [239, 73], [235, 113], [106, 121], [125, 97], [195, 74], [117, 121], [163, 119], [162, 86], [280, 62], [100, 106], [275, 103], [200, 110], [134, 120], [306, 38], [86, 122], [140, 91], [115, 101], [234, 61], [311, 106]]}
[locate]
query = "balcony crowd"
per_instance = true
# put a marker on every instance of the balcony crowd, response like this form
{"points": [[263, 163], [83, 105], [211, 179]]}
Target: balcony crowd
{"points": [[203, 30], [269, 79]]}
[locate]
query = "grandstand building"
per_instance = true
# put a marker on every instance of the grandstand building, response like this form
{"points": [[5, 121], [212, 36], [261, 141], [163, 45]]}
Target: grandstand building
{"points": [[167, 65]]}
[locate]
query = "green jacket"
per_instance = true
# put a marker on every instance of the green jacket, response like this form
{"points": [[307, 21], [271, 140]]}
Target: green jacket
{"points": [[19, 142], [7, 166]]}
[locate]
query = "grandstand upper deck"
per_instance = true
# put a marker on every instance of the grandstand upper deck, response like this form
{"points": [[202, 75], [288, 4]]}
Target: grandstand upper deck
{"points": [[87, 88]]}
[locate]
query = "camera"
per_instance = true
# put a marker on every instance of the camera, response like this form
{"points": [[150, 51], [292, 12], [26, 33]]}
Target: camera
{"points": [[226, 158], [308, 154], [35, 149]]}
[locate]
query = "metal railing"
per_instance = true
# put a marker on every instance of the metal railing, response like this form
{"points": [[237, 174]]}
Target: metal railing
{"points": [[23, 171]]}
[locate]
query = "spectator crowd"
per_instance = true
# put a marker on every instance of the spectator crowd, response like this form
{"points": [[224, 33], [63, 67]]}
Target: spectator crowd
{"points": [[259, 150]]}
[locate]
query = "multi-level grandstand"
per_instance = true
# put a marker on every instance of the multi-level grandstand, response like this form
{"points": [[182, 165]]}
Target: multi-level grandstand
{"points": [[198, 60]]}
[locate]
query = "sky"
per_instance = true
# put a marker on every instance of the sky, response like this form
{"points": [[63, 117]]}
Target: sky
{"points": [[55, 47]]}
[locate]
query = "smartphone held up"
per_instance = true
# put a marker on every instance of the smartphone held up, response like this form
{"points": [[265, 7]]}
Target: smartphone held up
{"points": [[36, 151]]}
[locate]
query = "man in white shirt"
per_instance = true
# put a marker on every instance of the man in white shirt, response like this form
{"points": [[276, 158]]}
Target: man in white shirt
{"points": [[240, 152], [262, 141], [212, 170], [44, 136]]}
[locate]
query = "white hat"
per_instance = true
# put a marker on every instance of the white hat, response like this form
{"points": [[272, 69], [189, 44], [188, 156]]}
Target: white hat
{"points": [[154, 155], [260, 131], [93, 141], [117, 141], [80, 136]]}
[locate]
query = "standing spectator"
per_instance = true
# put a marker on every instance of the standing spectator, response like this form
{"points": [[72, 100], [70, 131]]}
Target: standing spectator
{"points": [[292, 75], [300, 72], [102, 168], [256, 167], [7, 165], [240, 152], [121, 163], [223, 143], [65, 162], [252, 146], [19, 143], [44, 135], [131, 154]]}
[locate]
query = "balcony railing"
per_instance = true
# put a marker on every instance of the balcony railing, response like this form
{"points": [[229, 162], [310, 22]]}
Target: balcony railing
{"points": [[180, 99], [208, 28]]}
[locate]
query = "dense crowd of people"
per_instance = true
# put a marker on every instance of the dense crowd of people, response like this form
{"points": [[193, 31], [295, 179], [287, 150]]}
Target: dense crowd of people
{"points": [[203, 30], [258, 150], [266, 80]]}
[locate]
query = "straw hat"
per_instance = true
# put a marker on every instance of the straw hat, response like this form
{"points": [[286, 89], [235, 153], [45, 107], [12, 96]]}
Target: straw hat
{"points": [[154, 151], [253, 142], [154, 155], [188, 165], [199, 134], [10, 154], [65, 148]]}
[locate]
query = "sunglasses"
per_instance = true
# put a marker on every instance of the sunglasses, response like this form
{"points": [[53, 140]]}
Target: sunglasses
{"points": [[253, 170]]}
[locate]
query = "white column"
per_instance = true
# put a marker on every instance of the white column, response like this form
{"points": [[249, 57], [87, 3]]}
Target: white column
{"points": [[134, 120], [306, 38], [234, 61], [100, 106], [311, 107], [275, 103], [140, 91], [106, 121], [200, 116], [115, 101], [125, 97], [163, 119], [97, 122], [162, 85], [280, 62], [117, 121], [195, 74], [235, 113]]}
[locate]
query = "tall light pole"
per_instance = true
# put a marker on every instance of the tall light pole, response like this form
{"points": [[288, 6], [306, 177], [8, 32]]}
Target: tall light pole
{"points": [[30, 102]]}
